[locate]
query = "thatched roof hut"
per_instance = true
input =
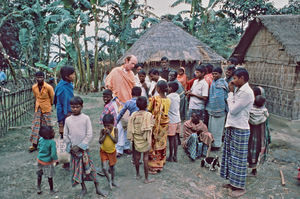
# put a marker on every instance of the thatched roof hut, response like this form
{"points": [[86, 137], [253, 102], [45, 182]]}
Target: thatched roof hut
{"points": [[167, 39], [270, 50]]}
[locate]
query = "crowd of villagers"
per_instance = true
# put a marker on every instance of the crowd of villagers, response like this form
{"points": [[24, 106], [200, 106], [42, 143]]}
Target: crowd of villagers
{"points": [[143, 112]]}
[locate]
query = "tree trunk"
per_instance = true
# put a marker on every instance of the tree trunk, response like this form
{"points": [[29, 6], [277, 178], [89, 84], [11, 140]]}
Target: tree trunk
{"points": [[12, 71], [87, 61], [96, 79]]}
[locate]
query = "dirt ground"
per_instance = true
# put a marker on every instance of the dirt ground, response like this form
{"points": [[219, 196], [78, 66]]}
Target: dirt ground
{"points": [[184, 179]]}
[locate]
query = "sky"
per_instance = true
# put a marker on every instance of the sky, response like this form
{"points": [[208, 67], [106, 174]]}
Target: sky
{"points": [[162, 7]]}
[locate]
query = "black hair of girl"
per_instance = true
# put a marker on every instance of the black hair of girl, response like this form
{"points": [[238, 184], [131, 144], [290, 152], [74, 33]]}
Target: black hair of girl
{"points": [[39, 74], [242, 72], [66, 71], [218, 69], [162, 85], [108, 119], [174, 86], [46, 132], [209, 68], [141, 103], [136, 91], [107, 92], [259, 101], [256, 91], [76, 101], [153, 71], [201, 68], [142, 72]]}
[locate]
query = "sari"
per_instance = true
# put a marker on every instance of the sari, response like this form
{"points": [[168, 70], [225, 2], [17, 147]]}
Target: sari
{"points": [[159, 107], [183, 78]]}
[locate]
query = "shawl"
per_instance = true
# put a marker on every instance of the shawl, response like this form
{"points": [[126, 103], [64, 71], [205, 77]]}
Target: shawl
{"points": [[183, 78]]}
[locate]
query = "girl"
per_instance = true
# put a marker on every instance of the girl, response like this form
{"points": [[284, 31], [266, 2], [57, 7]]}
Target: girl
{"points": [[182, 78], [108, 154], [46, 157], [159, 107]]}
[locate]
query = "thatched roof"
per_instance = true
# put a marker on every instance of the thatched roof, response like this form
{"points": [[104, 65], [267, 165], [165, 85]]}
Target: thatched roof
{"points": [[167, 39], [284, 28]]}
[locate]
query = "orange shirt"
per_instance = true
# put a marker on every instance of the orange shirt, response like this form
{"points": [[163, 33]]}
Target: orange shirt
{"points": [[43, 99]]}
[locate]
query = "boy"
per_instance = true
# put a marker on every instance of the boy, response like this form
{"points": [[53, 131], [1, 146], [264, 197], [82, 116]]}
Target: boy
{"points": [[154, 77], [235, 149], [140, 132], [209, 77], [198, 94], [78, 133], [217, 107], [44, 95], [143, 83], [108, 139], [229, 73], [174, 123], [110, 106]]}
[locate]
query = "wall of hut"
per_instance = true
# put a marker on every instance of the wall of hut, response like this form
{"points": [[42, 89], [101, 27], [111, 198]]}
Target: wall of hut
{"points": [[272, 68]]}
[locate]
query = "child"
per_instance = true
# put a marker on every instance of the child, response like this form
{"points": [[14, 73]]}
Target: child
{"points": [[159, 107], [217, 107], [174, 123], [110, 106], [235, 149], [256, 144], [108, 139], [154, 77], [46, 157], [44, 96], [139, 132], [143, 82], [229, 73], [78, 133], [198, 94]]}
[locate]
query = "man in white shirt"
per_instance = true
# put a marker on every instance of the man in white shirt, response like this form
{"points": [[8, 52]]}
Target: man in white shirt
{"points": [[198, 94], [142, 82], [154, 77], [235, 150]]}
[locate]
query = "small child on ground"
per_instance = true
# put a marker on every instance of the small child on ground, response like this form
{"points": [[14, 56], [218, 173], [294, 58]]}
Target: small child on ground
{"points": [[139, 132], [108, 154], [174, 123], [257, 141], [78, 133], [46, 157]]}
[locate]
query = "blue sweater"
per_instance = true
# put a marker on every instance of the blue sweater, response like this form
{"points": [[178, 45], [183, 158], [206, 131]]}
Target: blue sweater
{"points": [[47, 150]]}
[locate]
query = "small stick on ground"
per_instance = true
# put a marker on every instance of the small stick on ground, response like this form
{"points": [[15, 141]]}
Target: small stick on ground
{"points": [[282, 178]]}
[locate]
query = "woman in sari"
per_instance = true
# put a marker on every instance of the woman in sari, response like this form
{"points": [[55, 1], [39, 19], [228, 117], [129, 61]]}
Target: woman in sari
{"points": [[182, 78], [159, 107]]}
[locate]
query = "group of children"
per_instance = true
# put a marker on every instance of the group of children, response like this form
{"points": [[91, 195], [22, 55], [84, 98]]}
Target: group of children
{"points": [[152, 117]]}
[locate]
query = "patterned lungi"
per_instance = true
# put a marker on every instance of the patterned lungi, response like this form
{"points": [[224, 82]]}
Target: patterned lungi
{"points": [[39, 119], [234, 158]]}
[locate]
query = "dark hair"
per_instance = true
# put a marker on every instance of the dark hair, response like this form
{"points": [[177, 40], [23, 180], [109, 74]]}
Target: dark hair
{"points": [[164, 58], [233, 60], [218, 69], [231, 68], [46, 132], [142, 72], [209, 68], [136, 91], [256, 91], [174, 71], [174, 86], [108, 119], [141, 103], [259, 100], [153, 71], [66, 71], [162, 85], [242, 72], [139, 65], [201, 68], [39, 73], [107, 92], [76, 101]]}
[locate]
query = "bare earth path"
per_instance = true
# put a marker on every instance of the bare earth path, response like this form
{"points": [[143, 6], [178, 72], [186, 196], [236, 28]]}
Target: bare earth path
{"points": [[184, 179]]}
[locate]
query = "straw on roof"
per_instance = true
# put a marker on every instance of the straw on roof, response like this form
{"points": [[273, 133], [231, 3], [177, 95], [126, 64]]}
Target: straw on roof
{"points": [[285, 29], [167, 39]]}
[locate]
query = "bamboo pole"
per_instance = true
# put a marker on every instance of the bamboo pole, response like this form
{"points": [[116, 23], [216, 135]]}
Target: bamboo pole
{"points": [[282, 178]]}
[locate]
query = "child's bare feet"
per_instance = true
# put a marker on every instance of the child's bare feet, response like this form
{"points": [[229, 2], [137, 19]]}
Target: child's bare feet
{"points": [[138, 177], [114, 184], [147, 181], [39, 191], [53, 192], [175, 159], [170, 159]]}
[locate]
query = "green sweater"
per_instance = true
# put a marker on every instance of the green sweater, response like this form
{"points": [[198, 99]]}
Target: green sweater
{"points": [[47, 150]]}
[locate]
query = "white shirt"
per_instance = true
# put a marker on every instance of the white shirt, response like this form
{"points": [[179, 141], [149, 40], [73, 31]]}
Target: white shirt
{"points": [[152, 86], [258, 115], [174, 111], [199, 88], [240, 103], [139, 84], [78, 130]]}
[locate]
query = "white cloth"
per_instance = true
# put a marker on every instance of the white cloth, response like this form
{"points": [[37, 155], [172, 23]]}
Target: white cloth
{"points": [[139, 84], [199, 88], [258, 115], [240, 103], [152, 86], [174, 111], [78, 131]]}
